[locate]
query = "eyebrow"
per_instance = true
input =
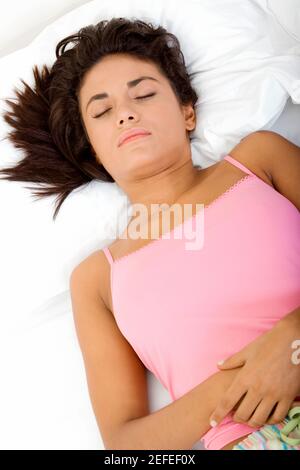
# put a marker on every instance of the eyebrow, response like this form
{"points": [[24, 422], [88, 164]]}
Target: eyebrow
{"points": [[130, 84]]}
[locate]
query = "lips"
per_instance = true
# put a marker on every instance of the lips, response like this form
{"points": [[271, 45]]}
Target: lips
{"points": [[132, 133], [134, 137]]}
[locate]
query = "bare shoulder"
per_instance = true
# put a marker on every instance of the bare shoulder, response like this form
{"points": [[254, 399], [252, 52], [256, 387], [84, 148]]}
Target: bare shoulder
{"points": [[252, 153], [95, 274], [280, 158]]}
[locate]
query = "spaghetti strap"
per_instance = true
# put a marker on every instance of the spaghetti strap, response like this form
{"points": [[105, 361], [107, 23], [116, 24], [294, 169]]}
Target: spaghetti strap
{"points": [[108, 255], [238, 164]]}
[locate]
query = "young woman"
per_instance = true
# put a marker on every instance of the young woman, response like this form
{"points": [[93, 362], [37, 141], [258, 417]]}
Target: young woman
{"points": [[119, 107]]}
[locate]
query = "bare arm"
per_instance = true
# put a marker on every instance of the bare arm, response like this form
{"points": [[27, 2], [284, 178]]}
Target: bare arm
{"points": [[181, 423]]}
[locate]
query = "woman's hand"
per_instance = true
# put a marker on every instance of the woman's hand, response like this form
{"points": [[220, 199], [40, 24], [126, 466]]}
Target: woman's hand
{"points": [[266, 386]]}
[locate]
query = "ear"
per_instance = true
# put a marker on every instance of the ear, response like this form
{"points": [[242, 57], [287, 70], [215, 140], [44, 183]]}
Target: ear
{"points": [[190, 117]]}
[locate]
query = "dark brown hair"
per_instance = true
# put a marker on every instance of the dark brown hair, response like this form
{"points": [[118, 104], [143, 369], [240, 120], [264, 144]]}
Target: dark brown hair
{"points": [[46, 120]]}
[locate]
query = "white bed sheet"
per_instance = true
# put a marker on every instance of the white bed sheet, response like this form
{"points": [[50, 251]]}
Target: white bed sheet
{"points": [[44, 397]]}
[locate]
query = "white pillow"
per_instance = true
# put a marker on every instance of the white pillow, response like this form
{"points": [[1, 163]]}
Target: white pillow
{"points": [[243, 85], [232, 63], [287, 14], [18, 30]]}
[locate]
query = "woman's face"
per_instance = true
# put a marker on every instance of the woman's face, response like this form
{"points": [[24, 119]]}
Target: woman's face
{"points": [[121, 109]]}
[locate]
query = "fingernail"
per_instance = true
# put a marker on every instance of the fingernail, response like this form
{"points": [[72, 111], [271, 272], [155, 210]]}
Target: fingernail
{"points": [[213, 423], [220, 362]]}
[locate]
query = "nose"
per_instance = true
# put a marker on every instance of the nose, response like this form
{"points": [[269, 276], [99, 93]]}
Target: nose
{"points": [[127, 116]]}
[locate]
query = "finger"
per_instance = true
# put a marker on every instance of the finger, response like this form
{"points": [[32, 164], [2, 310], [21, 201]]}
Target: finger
{"points": [[247, 407], [227, 403], [262, 412], [280, 411], [237, 360]]}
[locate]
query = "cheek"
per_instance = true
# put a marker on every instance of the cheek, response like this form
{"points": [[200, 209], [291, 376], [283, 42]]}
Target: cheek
{"points": [[103, 145], [96, 138]]}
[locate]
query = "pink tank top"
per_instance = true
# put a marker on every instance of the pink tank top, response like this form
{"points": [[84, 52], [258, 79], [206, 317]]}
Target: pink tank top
{"points": [[184, 310]]}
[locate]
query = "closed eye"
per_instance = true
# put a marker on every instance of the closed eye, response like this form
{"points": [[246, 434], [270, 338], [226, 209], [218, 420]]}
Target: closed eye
{"points": [[138, 98]]}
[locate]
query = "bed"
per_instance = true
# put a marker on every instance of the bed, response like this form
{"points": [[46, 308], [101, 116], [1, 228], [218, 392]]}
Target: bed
{"points": [[248, 52]]}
